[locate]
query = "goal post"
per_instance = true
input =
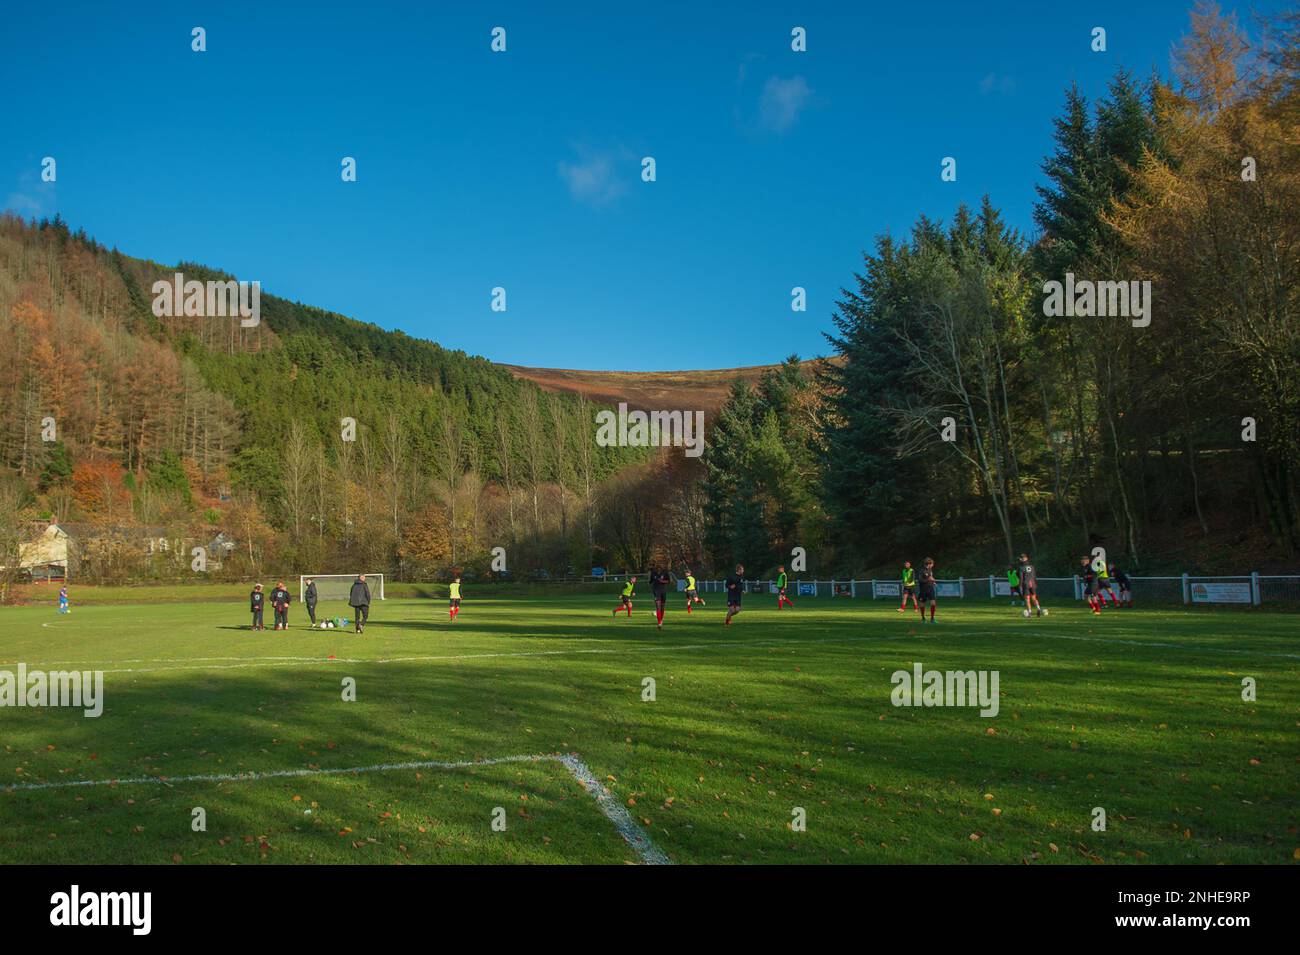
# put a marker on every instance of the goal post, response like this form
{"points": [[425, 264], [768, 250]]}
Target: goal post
{"points": [[338, 586]]}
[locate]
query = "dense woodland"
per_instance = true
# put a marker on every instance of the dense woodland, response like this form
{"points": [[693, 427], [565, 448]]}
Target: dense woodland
{"points": [[192, 426], [1069, 432]]}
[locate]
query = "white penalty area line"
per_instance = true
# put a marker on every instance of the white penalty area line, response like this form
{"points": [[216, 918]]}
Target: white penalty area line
{"points": [[624, 824]]}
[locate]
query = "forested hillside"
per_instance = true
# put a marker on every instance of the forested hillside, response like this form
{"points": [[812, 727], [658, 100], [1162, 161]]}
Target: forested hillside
{"points": [[197, 425]]}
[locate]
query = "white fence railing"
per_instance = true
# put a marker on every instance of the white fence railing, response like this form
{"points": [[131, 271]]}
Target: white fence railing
{"points": [[1250, 588]]}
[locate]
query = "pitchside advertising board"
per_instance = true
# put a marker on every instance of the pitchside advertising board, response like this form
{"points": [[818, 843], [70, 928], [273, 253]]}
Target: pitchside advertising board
{"points": [[1002, 588], [1234, 593], [942, 588], [807, 590]]}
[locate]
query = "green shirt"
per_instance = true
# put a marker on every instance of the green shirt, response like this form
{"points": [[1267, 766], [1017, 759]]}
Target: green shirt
{"points": [[690, 582], [909, 576], [1013, 578], [780, 582], [628, 588]]}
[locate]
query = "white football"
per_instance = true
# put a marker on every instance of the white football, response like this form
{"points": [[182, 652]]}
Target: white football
{"points": [[1044, 611], [1026, 613]]}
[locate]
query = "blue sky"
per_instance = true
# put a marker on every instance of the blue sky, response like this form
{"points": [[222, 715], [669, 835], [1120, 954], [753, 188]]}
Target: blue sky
{"points": [[522, 169]]}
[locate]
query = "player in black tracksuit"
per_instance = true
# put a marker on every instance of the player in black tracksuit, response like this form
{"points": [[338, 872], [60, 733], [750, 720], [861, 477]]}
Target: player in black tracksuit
{"points": [[1125, 585], [280, 600], [735, 590], [659, 580], [309, 598], [929, 589], [1091, 585], [257, 603], [359, 601]]}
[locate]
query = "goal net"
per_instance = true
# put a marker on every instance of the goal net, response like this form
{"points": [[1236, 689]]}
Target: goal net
{"points": [[339, 586]]}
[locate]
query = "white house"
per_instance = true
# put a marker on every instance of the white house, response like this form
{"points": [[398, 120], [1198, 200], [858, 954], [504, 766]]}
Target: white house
{"points": [[49, 556]]}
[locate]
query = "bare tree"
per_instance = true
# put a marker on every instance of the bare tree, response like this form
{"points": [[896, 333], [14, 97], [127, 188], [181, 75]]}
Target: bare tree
{"points": [[299, 467], [12, 498], [449, 465], [395, 465], [561, 465], [533, 447], [950, 342], [585, 459], [505, 455]]}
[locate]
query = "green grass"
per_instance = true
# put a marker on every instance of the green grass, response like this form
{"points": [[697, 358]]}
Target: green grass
{"points": [[1138, 712]]}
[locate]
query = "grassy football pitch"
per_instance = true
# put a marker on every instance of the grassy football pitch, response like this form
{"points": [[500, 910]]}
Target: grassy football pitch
{"points": [[1138, 712]]}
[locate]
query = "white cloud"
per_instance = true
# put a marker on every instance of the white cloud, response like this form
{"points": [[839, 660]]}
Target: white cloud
{"points": [[997, 83], [597, 178], [781, 102], [33, 198]]}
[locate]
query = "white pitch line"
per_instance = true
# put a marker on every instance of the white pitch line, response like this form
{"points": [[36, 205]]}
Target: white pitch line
{"points": [[614, 811], [623, 822]]}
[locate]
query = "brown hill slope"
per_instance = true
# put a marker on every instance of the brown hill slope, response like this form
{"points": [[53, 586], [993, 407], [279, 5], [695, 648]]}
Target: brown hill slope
{"points": [[648, 390]]}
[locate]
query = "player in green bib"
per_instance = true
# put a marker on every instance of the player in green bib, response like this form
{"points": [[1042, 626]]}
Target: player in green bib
{"points": [[909, 586], [454, 603], [692, 595], [781, 598], [625, 599]]}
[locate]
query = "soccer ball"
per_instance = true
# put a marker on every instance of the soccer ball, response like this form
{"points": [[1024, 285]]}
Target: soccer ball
{"points": [[1026, 612], [1044, 611], [327, 625]]}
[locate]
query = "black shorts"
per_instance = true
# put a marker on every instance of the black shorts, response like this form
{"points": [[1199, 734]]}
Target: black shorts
{"points": [[690, 594], [927, 592], [1094, 586], [453, 602], [1029, 590], [733, 601], [660, 596], [625, 598]]}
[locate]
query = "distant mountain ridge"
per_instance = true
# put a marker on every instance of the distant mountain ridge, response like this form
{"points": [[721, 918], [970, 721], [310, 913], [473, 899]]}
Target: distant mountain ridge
{"points": [[703, 390]]}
